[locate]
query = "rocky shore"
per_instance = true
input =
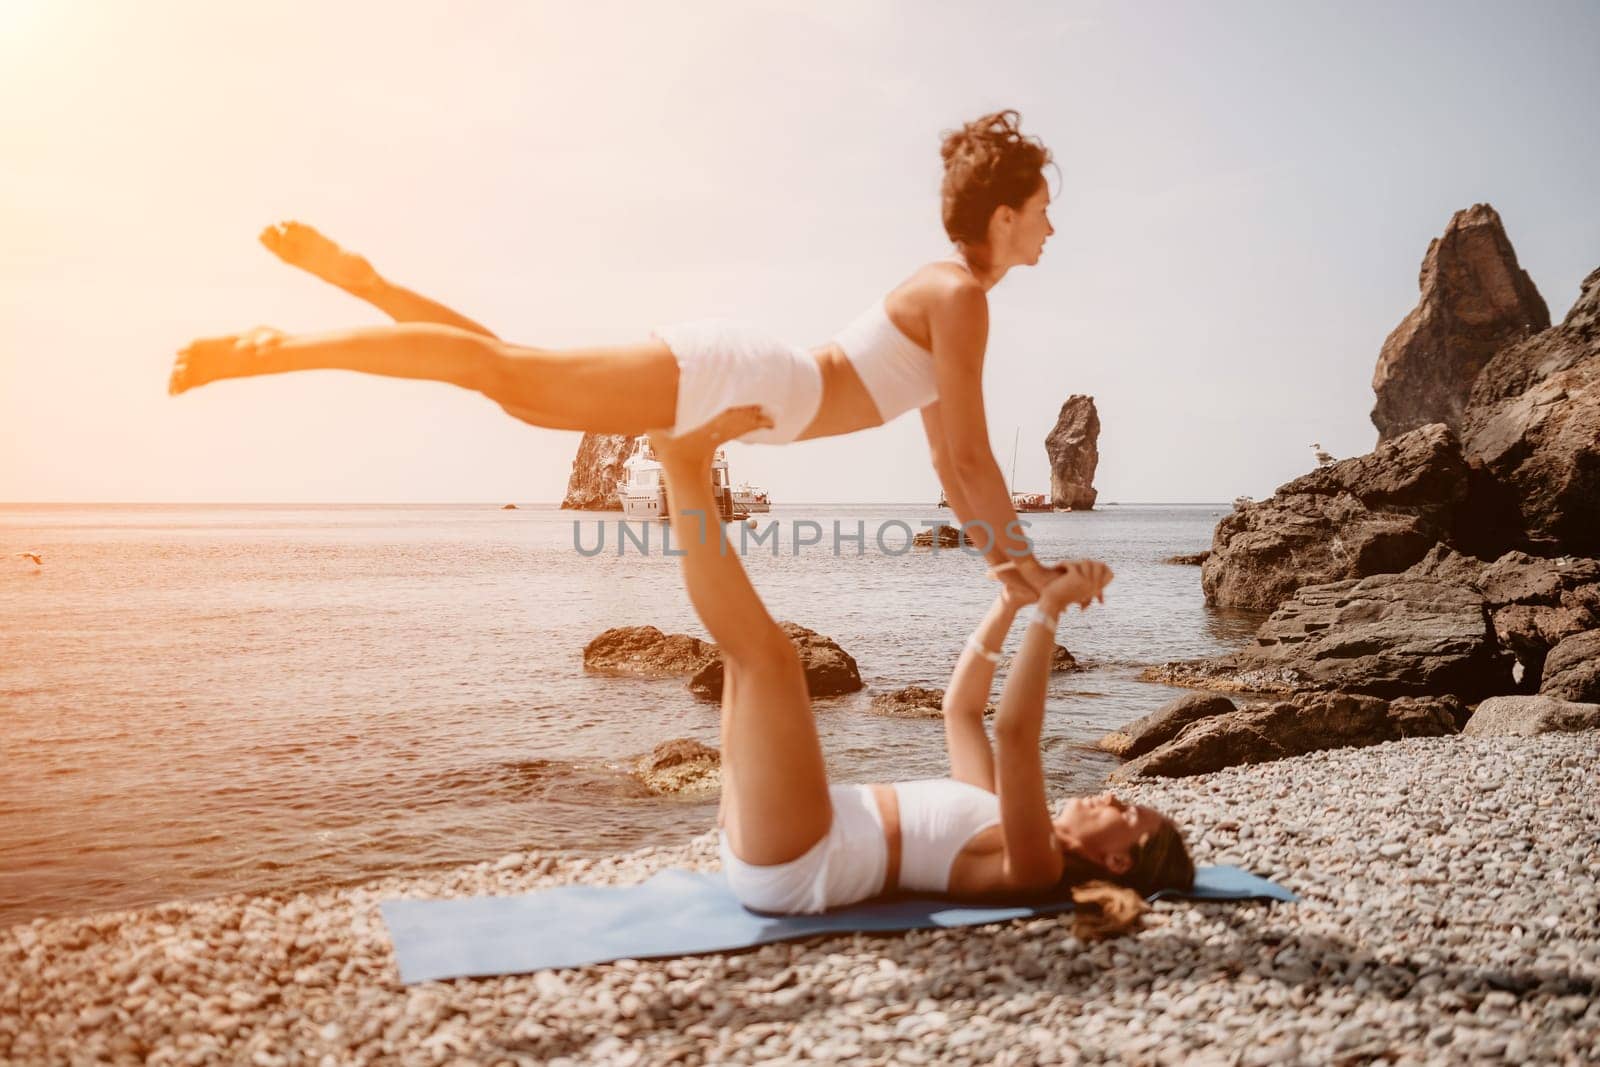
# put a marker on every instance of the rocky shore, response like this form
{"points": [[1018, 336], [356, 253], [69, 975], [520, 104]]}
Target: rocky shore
{"points": [[1448, 909]]}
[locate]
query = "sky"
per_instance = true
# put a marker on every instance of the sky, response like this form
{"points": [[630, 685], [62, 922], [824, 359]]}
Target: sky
{"points": [[1245, 194]]}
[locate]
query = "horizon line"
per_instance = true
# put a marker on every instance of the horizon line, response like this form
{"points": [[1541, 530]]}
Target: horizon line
{"points": [[520, 503]]}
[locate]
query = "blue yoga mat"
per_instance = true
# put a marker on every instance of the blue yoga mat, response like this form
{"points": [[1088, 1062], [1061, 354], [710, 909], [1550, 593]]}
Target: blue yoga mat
{"points": [[679, 913]]}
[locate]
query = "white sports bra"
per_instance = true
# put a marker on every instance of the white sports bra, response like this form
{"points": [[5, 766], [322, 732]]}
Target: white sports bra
{"points": [[897, 372], [938, 816]]}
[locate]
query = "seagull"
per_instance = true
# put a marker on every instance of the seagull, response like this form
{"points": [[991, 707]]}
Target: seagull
{"points": [[1323, 458], [37, 562]]}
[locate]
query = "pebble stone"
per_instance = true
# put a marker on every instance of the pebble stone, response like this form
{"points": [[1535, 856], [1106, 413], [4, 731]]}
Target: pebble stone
{"points": [[1449, 893]]}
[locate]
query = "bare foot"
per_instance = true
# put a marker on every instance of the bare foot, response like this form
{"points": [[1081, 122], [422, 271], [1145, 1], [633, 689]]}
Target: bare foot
{"points": [[213, 358], [303, 246], [695, 448]]}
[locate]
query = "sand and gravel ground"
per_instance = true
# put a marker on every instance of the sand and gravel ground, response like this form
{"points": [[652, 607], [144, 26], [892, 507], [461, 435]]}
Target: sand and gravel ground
{"points": [[1451, 894]]}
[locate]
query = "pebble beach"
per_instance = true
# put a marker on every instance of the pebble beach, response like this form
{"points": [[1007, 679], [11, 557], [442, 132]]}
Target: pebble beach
{"points": [[1449, 901]]}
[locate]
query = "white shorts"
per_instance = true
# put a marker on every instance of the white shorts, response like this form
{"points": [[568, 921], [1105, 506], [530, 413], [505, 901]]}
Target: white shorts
{"points": [[847, 865], [725, 364]]}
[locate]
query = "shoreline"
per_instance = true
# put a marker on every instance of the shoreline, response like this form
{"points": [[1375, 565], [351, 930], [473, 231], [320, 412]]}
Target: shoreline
{"points": [[1449, 894]]}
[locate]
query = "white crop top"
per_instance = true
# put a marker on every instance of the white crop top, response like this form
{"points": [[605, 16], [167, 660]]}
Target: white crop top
{"points": [[938, 816], [897, 372]]}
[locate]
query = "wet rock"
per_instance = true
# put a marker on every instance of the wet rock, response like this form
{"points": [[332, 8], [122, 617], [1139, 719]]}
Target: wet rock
{"points": [[913, 702], [1073, 446], [1572, 670], [646, 652], [1373, 514], [682, 766], [1385, 635], [1475, 299], [830, 670], [1525, 716], [596, 470], [1193, 559], [1308, 722], [945, 535], [1533, 424], [1062, 661], [1163, 724]]}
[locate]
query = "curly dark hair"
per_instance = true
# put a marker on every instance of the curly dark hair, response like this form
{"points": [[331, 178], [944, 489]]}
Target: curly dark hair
{"points": [[987, 163]]}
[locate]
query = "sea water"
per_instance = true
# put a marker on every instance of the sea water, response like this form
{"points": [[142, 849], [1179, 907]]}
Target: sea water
{"points": [[201, 700]]}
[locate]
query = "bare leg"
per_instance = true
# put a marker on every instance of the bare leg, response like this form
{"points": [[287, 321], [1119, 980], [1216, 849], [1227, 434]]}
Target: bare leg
{"points": [[625, 389], [303, 246], [775, 786]]}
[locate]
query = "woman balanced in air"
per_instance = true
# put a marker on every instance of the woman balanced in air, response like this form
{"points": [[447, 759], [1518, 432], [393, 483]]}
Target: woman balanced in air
{"points": [[792, 842], [920, 346]]}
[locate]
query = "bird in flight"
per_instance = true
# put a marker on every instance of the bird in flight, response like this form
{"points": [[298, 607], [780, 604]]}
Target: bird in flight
{"points": [[37, 562]]}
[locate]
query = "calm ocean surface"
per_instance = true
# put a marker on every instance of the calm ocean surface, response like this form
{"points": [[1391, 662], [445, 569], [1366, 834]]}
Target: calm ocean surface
{"points": [[202, 700]]}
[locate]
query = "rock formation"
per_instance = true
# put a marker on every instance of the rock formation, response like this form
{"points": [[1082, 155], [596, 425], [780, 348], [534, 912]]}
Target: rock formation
{"points": [[913, 702], [830, 670], [1384, 635], [947, 537], [1533, 425], [1062, 661], [1074, 450], [646, 652], [1572, 669], [596, 471], [680, 767], [1475, 299], [1307, 722], [1527, 716], [1371, 514], [1163, 724]]}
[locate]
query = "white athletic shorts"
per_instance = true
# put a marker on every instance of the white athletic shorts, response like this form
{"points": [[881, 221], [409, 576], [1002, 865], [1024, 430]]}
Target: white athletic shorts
{"points": [[848, 864], [725, 364]]}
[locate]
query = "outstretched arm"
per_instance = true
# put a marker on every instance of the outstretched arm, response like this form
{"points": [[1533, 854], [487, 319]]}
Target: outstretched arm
{"points": [[305, 247], [958, 434], [971, 758], [1033, 860]]}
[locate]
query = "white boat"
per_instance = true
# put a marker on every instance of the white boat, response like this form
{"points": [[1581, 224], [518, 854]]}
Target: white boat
{"points": [[644, 491], [1025, 502], [751, 499]]}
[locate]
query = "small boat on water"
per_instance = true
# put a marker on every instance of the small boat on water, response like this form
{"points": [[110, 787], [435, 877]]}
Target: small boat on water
{"points": [[643, 491], [1022, 502], [751, 499]]}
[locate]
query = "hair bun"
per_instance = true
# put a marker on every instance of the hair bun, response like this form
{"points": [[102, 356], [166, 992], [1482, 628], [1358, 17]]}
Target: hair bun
{"points": [[996, 129], [987, 162]]}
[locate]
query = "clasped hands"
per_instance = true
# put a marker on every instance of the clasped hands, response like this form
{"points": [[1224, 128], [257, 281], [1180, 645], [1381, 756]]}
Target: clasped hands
{"points": [[1026, 581]]}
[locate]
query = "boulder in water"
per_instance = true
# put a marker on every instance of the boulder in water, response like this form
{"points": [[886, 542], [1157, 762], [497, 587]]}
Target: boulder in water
{"points": [[830, 670], [646, 652], [680, 767]]}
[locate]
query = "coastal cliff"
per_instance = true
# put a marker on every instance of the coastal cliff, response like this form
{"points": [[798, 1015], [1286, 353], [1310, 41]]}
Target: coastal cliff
{"points": [[596, 471]]}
